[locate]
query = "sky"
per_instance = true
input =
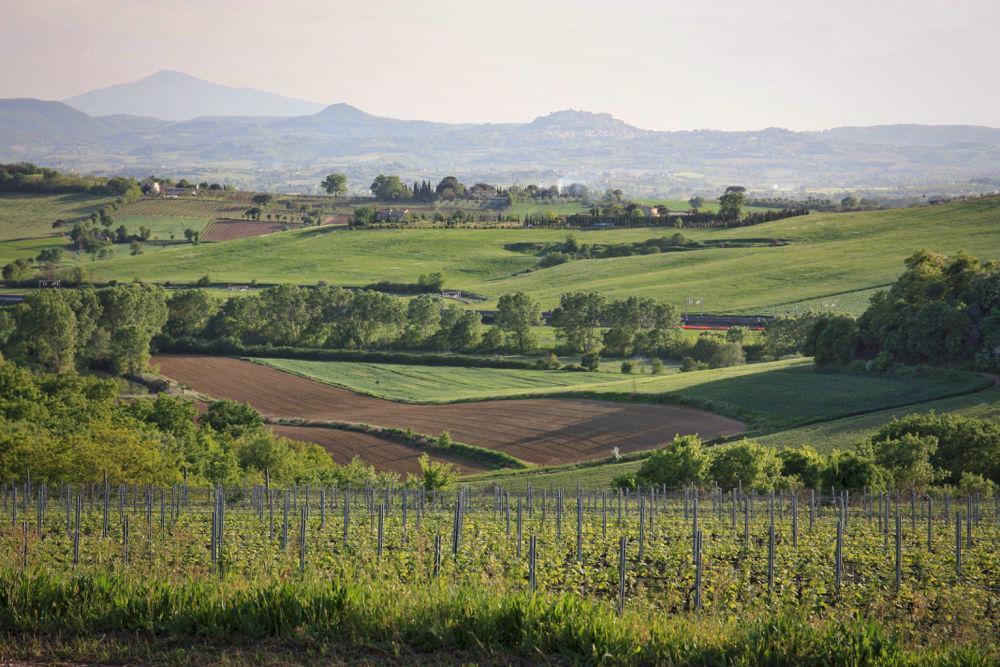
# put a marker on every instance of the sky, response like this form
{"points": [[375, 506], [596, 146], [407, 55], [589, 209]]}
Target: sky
{"points": [[664, 65]]}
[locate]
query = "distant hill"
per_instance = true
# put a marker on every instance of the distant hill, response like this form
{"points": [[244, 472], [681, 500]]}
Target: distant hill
{"points": [[293, 151], [174, 95]]}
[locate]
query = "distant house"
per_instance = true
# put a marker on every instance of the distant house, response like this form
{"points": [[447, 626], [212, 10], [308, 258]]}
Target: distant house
{"points": [[481, 192], [391, 214], [650, 211], [154, 189], [181, 192]]}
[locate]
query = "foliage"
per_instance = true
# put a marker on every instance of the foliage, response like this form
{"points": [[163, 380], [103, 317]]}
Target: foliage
{"points": [[941, 311], [516, 314], [747, 465], [436, 475], [964, 444], [683, 462]]}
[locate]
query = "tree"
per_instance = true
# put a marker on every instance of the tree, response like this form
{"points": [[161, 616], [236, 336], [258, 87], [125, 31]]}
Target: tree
{"points": [[335, 185], [449, 188], [436, 475], [748, 464], [833, 340], [262, 199], [189, 312], [682, 462], [731, 202], [964, 444], [45, 332], [389, 188], [516, 314], [132, 315], [192, 235], [591, 360], [51, 255], [232, 417], [804, 463], [696, 202], [422, 315], [577, 320], [849, 202], [135, 248], [906, 459]]}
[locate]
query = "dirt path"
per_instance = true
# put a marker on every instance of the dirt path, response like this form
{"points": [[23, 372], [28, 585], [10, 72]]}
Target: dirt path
{"points": [[541, 431]]}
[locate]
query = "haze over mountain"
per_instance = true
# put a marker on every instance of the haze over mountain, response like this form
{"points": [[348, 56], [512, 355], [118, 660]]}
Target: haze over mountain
{"points": [[134, 135], [174, 95]]}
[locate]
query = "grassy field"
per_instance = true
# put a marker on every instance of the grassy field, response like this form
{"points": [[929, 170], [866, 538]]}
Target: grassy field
{"points": [[163, 227], [26, 221], [830, 255], [767, 396]]}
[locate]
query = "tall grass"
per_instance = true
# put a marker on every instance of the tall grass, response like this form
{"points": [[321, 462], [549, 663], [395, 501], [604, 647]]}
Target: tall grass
{"points": [[437, 617]]}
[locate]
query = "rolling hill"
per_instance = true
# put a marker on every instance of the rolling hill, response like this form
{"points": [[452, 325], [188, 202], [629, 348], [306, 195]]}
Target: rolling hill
{"points": [[831, 256]]}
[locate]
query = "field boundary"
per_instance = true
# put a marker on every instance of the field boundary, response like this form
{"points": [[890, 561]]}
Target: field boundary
{"points": [[428, 443]]}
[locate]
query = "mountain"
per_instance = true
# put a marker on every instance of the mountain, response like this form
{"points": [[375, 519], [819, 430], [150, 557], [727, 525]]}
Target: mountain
{"points": [[171, 95], [28, 120], [294, 152]]}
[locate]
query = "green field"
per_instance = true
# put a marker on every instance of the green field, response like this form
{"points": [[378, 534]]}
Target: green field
{"points": [[767, 396], [163, 227], [830, 254], [26, 221]]}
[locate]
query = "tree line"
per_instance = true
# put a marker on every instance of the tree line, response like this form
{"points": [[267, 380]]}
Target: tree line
{"points": [[912, 453], [941, 311], [25, 177], [72, 428]]}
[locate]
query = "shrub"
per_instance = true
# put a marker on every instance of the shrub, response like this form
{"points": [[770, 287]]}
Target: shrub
{"points": [[682, 462], [747, 464], [628, 366], [436, 475], [444, 440], [655, 366], [804, 463], [591, 361]]}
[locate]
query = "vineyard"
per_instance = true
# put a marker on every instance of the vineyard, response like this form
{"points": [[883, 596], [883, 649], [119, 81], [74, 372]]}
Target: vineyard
{"points": [[180, 208], [596, 576], [227, 230]]}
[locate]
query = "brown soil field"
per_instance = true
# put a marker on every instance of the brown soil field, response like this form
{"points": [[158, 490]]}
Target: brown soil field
{"points": [[376, 450], [227, 230], [542, 431]]}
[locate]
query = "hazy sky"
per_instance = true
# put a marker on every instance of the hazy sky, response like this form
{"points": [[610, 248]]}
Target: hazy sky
{"points": [[668, 64]]}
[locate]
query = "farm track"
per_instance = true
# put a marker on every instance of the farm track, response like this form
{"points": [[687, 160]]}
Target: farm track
{"points": [[540, 431]]}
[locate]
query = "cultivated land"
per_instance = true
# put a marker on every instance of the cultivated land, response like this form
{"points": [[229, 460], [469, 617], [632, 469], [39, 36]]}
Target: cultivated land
{"points": [[373, 449], [830, 255], [767, 396], [542, 431]]}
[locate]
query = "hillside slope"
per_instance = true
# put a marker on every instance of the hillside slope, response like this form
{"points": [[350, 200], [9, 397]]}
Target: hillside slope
{"points": [[830, 255]]}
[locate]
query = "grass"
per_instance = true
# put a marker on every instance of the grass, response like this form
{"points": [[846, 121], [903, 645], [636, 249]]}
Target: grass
{"points": [[163, 227], [830, 254], [437, 384], [767, 396], [844, 433], [26, 221]]}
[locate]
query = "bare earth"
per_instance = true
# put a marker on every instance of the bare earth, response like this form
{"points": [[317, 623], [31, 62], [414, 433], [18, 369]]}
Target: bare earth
{"points": [[541, 431]]}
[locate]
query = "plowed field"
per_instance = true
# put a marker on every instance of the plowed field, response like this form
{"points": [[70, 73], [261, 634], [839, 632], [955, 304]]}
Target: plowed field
{"points": [[542, 431], [383, 453]]}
